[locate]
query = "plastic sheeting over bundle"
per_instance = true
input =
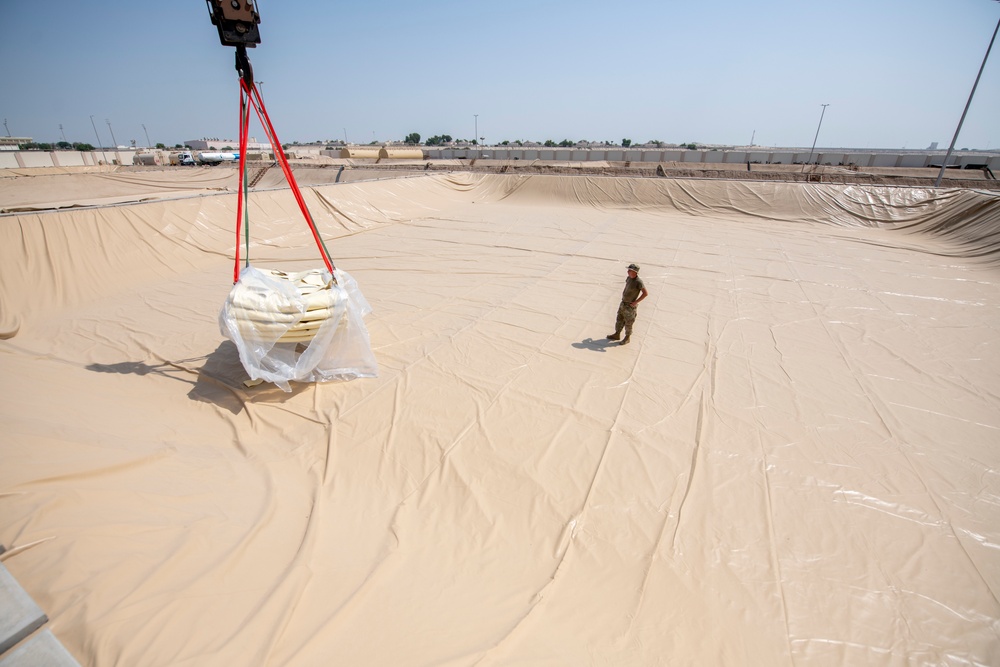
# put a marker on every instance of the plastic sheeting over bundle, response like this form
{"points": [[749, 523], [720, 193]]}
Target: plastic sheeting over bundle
{"points": [[303, 327]]}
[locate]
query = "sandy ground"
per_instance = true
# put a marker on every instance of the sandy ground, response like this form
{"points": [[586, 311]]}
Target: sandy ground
{"points": [[794, 462]]}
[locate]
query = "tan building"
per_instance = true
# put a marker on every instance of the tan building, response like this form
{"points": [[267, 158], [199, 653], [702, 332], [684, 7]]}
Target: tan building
{"points": [[11, 143]]}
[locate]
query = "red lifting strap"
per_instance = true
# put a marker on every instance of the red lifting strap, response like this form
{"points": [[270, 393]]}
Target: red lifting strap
{"points": [[252, 94]]}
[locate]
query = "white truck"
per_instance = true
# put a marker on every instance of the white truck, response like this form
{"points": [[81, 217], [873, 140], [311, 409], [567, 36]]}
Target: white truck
{"points": [[184, 159], [217, 158]]}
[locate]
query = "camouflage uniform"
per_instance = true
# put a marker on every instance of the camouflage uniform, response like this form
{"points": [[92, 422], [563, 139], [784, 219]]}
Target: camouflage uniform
{"points": [[626, 311]]}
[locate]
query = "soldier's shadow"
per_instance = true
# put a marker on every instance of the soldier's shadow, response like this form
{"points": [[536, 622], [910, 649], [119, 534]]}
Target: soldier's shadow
{"points": [[599, 345]]}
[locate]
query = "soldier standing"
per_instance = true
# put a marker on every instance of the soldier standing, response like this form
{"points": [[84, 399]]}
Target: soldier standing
{"points": [[634, 292]]}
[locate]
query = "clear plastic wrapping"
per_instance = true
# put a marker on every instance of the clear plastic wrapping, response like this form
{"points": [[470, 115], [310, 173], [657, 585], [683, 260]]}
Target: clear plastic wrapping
{"points": [[303, 327]]}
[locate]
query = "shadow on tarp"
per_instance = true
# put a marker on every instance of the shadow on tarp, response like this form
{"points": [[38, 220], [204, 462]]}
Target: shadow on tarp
{"points": [[596, 345], [219, 381]]}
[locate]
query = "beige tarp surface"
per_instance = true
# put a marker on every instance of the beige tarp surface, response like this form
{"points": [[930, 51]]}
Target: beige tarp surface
{"points": [[795, 462], [23, 192]]}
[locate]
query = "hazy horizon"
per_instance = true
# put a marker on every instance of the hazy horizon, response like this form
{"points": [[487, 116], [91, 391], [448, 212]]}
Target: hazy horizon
{"points": [[896, 74]]}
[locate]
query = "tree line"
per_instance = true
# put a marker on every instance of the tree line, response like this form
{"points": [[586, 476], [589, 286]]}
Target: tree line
{"points": [[75, 146], [413, 139]]}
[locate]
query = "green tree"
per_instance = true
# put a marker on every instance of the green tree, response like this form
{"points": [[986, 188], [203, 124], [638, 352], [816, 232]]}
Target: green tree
{"points": [[549, 143], [566, 143], [83, 147], [626, 143], [160, 146], [412, 138], [65, 145]]}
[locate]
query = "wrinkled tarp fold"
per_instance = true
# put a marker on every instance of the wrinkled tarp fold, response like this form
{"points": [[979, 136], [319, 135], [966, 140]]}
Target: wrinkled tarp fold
{"points": [[794, 462]]}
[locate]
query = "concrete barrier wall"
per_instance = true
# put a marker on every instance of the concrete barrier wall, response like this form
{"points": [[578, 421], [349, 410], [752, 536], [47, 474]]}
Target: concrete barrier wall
{"points": [[68, 159], [36, 159], [860, 159], [913, 161], [884, 160], [646, 155], [28, 159]]}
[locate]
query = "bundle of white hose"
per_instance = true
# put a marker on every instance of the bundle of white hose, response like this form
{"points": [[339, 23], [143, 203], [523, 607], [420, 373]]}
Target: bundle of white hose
{"points": [[289, 315], [305, 326]]}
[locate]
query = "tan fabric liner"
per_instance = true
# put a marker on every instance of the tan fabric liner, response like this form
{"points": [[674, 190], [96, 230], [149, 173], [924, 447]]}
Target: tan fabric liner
{"points": [[795, 461]]}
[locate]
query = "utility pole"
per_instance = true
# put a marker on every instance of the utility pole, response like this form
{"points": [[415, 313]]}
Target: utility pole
{"points": [[817, 135], [475, 137], [99, 142], [61, 132], [113, 140], [148, 144], [958, 129]]}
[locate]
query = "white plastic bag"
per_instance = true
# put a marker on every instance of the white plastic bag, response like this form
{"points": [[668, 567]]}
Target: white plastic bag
{"points": [[302, 327]]}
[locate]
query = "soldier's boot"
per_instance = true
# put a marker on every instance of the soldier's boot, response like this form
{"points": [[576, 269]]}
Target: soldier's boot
{"points": [[616, 335], [626, 339]]}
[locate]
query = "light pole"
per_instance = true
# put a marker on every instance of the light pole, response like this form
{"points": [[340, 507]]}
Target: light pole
{"points": [[62, 132], [958, 129], [99, 142], [5, 126], [475, 137], [260, 87], [148, 144], [113, 140], [817, 134]]}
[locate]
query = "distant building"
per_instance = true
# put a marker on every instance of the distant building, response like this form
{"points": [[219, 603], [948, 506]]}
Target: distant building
{"points": [[11, 143]]}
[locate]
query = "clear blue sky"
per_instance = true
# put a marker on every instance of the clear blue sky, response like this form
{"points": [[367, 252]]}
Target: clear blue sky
{"points": [[896, 73]]}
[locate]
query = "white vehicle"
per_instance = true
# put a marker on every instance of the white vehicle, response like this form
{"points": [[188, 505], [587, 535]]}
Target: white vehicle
{"points": [[183, 159], [217, 158]]}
